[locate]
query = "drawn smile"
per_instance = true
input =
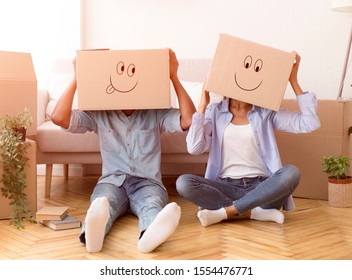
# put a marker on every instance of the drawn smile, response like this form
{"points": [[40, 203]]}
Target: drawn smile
{"points": [[246, 89], [120, 90]]}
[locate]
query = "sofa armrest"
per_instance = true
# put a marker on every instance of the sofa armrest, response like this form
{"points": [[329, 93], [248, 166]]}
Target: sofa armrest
{"points": [[42, 102]]}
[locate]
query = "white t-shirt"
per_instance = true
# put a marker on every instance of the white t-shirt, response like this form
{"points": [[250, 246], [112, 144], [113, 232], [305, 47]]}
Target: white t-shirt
{"points": [[240, 154]]}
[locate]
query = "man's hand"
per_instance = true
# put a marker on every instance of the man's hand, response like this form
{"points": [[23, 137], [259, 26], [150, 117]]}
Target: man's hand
{"points": [[173, 65]]}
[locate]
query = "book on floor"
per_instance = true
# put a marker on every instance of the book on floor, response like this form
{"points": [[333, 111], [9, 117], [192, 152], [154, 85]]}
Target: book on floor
{"points": [[69, 222], [51, 213]]}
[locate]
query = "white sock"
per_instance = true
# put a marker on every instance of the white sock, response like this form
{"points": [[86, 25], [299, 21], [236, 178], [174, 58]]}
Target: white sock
{"points": [[161, 229], [210, 217], [272, 215], [96, 220]]}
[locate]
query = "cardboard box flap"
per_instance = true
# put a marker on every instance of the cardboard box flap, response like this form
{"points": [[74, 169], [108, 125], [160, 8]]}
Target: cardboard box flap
{"points": [[15, 66], [249, 72]]}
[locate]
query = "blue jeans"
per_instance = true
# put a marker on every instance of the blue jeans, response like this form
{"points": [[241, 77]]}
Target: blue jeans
{"points": [[144, 198], [245, 193]]}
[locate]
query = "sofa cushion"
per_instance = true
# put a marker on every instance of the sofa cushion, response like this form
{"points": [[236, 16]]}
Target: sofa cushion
{"points": [[174, 143], [51, 138], [194, 90], [57, 83]]}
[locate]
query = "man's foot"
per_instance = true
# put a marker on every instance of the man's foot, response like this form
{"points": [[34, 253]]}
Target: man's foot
{"points": [[96, 220], [161, 229]]}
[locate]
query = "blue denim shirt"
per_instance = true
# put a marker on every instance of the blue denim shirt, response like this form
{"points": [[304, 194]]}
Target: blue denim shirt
{"points": [[128, 145], [207, 130]]}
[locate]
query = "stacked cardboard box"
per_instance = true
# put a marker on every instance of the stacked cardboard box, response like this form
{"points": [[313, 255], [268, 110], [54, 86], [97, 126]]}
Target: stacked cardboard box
{"points": [[306, 150], [18, 86], [18, 90], [31, 189]]}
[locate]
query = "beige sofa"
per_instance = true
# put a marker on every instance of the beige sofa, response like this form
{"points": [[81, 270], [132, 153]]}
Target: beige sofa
{"points": [[55, 146]]}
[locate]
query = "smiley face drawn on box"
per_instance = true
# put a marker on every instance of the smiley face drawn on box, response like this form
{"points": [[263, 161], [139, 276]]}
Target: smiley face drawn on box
{"points": [[251, 67], [124, 79], [249, 72]]}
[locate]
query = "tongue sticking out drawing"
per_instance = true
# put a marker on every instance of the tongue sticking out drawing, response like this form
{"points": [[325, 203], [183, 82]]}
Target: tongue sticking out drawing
{"points": [[124, 80]]}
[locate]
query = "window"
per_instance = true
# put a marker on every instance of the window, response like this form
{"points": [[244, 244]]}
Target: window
{"points": [[46, 29]]}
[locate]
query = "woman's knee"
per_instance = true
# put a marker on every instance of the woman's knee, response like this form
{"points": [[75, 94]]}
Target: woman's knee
{"points": [[293, 173], [184, 183]]}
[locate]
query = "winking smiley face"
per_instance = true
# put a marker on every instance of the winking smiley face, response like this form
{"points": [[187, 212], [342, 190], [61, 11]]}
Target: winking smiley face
{"points": [[248, 77], [124, 80]]}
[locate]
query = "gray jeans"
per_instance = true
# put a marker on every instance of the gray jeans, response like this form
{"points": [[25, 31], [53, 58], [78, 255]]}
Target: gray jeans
{"points": [[142, 197], [245, 193]]}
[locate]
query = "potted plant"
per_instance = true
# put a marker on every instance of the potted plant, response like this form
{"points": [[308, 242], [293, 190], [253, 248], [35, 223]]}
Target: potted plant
{"points": [[339, 183], [13, 160], [18, 123]]}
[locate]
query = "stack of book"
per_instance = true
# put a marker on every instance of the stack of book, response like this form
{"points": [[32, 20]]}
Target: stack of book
{"points": [[57, 218]]}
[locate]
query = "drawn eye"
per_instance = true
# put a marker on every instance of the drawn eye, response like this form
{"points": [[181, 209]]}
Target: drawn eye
{"points": [[131, 70], [247, 61], [120, 68], [258, 65]]}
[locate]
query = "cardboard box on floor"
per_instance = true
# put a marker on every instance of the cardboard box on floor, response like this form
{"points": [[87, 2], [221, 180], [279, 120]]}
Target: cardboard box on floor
{"points": [[30, 190], [18, 86], [123, 79], [249, 72], [306, 150]]}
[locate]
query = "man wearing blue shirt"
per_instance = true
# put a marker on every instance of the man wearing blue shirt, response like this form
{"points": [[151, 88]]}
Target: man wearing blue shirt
{"points": [[131, 180]]}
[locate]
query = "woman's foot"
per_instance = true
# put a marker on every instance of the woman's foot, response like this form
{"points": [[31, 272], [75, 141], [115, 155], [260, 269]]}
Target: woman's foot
{"points": [[272, 215], [210, 217]]}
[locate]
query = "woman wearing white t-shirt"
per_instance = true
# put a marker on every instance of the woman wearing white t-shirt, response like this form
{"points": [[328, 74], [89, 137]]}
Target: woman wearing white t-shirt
{"points": [[244, 175]]}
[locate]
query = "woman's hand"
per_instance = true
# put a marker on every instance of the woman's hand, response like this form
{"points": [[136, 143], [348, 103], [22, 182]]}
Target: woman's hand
{"points": [[204, 101], [293, 76]]}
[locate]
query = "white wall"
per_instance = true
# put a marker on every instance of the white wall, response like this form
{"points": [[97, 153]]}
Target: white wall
{"points": [[191, 28], [46, 29]]}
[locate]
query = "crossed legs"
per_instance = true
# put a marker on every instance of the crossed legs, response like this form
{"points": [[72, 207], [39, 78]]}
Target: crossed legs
{"points": [[254, 198]]}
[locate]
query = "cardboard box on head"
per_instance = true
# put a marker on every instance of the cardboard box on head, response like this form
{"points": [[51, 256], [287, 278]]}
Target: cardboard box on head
{"points": [[123, 79], [249, 72]]}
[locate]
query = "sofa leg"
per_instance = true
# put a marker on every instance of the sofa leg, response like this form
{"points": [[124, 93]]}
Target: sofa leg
{"points": [[48, 175], [66, 172]]}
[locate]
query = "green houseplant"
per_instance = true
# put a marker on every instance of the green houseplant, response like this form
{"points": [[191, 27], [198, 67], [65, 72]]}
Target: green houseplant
{"points": [[13, 160], [339, 183], [18, 123]]}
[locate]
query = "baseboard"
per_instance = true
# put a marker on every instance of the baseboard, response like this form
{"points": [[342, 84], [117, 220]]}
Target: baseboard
{"points": [[95, 169], [74, 170]]}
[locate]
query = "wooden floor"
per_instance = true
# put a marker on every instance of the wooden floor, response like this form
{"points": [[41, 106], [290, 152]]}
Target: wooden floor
{"points": [[313, 231]]}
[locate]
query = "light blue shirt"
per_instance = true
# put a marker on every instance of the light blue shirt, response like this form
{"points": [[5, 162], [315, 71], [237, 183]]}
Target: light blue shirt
{"points": [[207, 130], [128, 145]]}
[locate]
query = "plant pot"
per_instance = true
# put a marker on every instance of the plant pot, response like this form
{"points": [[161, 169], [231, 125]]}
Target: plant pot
{"points": [[22, 132], [340, 192]]}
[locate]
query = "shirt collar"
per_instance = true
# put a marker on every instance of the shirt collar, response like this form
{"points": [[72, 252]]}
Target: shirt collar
{"points": [[224, 107]]}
